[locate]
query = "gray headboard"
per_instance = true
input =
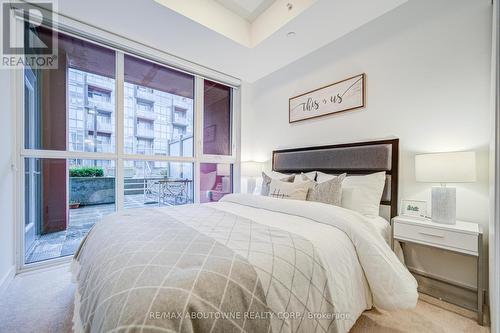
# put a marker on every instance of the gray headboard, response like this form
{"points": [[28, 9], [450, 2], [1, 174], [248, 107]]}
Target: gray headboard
{"points": [[358, 158]]}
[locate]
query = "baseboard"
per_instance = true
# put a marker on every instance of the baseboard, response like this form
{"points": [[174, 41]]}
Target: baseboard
{"points": [[46, 266], [5, 280]]}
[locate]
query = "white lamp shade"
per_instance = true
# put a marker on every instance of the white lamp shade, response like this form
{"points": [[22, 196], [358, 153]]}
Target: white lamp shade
{"points": [[252, 168], [223, 169], [455, 167]]}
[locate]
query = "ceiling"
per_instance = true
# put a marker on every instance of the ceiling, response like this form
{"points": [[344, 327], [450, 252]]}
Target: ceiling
{"points": [[247, 9], [319, 23], [232, 20]]}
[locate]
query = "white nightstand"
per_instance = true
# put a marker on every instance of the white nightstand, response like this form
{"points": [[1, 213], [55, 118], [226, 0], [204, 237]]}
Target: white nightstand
{"points": [[463, 237]]}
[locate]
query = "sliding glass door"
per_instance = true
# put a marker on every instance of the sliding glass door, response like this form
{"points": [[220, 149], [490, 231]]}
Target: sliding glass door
{"points": [[32, 170], [68, 120], [107, 131]]}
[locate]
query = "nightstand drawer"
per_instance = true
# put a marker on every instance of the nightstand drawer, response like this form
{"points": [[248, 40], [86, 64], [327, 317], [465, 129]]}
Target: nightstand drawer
{"points": [[453, 240]]}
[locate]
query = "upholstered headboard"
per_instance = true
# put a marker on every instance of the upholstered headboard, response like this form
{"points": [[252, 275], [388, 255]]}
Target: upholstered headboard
{"points": [[358, 158]]}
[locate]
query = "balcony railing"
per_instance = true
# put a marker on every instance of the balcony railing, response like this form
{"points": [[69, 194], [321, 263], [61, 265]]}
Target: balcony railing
{"points": [[182, 121], [104, 148], [100, 82], [101, 126], [100, 105], [145, 94], [145, 133], [99, 148], [104, 127], [146, 114], [145, 151]]}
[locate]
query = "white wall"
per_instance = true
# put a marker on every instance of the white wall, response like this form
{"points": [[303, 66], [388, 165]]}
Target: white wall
{"points": [[6, 179], [428, 83]]}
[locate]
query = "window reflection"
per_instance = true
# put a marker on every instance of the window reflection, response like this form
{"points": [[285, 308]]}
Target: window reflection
{"points": [[216, 180], [216, 119], [158, 109]]}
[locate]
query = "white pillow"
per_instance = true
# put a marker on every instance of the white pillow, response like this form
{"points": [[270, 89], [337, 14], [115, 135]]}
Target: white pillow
{"points": [[311, 175], [278, 175], [322, 177], [286, 190], [305, 177], [266, 180], [363, 193]]}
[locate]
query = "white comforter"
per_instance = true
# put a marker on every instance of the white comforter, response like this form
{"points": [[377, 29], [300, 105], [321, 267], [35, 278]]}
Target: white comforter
{"points": [[363, 269], [135, 263]]}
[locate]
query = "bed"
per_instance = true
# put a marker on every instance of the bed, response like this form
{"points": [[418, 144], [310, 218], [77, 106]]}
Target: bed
{"points": [[247, 263]]}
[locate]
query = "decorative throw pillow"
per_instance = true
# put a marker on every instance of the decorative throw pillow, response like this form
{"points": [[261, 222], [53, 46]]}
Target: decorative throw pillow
{"points": [[363, 193], [323, 177], [311, 175], [329, 192], [266, 181], [305, 177], [286, 190]]}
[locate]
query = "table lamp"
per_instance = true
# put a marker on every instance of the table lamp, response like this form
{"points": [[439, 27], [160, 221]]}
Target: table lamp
{"points": [[251, 170], [224, 170], [443, 168]]}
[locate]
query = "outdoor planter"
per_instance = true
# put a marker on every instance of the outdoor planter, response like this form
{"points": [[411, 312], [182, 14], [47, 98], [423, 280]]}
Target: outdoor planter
{"points": [[74, 205], [92, 190]]}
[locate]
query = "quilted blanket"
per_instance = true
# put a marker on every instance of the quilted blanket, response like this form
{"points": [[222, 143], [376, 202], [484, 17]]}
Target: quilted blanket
{"points": [[197, 268]]}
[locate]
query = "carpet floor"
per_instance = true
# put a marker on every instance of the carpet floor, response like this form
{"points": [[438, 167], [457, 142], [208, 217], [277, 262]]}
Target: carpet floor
{"points": [[42, 302]]}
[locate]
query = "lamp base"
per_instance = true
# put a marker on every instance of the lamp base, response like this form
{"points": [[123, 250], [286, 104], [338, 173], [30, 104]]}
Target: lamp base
{"points": [[444, 205]]}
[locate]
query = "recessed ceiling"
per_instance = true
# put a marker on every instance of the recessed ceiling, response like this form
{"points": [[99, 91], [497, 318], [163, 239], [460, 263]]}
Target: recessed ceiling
{"points": [[246, 22], [164, 28], [247, 9]]}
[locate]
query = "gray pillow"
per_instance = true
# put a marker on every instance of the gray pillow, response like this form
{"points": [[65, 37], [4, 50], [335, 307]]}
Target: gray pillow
{"points": [[266, 181], [329, 192]]}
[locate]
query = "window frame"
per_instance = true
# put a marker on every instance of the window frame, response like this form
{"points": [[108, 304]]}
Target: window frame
{"points": [[121, 46]]}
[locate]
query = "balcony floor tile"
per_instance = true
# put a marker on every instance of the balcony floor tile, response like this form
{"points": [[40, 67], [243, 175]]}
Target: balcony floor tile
{"points": [[65, 243]]}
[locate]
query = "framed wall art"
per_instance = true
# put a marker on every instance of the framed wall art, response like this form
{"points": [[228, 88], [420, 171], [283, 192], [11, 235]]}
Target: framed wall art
{"points": [[348, 94]]}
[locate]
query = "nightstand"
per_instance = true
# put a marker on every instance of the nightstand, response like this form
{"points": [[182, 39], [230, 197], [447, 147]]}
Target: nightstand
{"points": [[463, 237]]}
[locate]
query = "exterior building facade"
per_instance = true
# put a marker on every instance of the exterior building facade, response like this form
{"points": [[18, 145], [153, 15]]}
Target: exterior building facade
{"points": [[156, 123]]}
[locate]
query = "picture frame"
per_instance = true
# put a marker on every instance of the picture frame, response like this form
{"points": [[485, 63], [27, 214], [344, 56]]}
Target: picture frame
{"points": [[414, 208], [341, 96]]}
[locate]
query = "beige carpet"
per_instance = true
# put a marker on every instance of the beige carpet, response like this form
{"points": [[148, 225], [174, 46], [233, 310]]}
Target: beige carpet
{"points": [[38, 302], [42, 302], [425, 318]]}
